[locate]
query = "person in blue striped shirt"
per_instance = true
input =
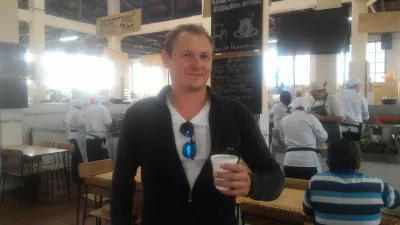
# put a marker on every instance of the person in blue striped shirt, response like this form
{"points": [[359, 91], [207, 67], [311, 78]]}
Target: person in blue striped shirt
{"points": [[344, 196]]}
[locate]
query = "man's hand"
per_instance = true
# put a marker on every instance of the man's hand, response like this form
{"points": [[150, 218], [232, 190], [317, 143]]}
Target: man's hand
{"points": [[316, 115], [237, 180]]}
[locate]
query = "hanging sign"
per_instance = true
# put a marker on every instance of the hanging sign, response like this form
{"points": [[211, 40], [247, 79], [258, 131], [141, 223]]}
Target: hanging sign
{"points": [[206, 8], [119, 24], [236, 25]]}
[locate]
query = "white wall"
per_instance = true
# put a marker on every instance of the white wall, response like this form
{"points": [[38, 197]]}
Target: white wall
{"points": [[393, 57], [52, 116]]}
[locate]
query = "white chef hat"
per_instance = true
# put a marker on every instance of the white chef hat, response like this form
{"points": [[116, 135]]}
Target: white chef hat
{"points": [[352, 81], [77, 103], [301, 102]]}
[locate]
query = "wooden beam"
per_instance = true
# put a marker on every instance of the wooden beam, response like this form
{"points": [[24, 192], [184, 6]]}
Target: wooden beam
{"points": [[379, 22]]}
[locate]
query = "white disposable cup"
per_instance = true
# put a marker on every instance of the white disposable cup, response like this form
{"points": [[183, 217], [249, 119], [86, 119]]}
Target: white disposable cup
{"points": [[218, 160]]}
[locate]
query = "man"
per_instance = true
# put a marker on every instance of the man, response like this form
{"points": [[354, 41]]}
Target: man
{"points": [[97, 119], [328, 109], [355, 106], [75, 126], [156, 134], [302, 133], [345, 196]]}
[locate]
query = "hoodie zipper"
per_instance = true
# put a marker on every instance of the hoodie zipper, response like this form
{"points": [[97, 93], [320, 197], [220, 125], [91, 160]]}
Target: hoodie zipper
{"points": [[190, 196]]}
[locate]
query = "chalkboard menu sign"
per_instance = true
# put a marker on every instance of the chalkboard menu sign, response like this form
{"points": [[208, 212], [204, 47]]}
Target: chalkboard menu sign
{"points": [[236, 25], [240, 79], [12, 59]]}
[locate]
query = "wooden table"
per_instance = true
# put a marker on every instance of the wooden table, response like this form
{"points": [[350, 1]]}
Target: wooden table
{"points": [[34, 151], [104, 180], [31, 153], [288, 207]]}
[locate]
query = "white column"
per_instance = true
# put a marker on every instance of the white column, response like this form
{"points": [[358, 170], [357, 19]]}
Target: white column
{"points": [[264, 117], [114, 43], [265, 37], [323, 69], [358, 45], [10, 119], [37, 45]]}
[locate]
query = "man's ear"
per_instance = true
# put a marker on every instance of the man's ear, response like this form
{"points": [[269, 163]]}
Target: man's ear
{"points": [[166, 58]]}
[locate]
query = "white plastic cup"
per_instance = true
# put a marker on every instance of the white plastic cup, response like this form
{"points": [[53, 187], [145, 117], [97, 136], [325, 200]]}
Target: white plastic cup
{"points": [[218, 160]]}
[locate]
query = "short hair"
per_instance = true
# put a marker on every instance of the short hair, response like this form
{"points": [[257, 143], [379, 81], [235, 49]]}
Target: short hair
{"points": [[185, 28], [344, 154], [285, 97]]}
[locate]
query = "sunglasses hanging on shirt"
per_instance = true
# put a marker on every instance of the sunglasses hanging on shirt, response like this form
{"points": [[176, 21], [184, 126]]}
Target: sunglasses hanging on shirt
{"points": [[189, 149]]}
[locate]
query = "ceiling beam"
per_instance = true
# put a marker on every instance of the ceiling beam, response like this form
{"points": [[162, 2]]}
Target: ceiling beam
{"points": [[58, 22], [53, 21]]}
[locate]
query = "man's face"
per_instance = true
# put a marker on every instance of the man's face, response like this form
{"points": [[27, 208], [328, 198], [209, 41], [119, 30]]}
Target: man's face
{"points": [[357, 88], [190, 62], [317, 95]]}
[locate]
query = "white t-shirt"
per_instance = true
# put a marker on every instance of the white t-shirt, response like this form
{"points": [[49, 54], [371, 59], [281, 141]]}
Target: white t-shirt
{"points": [[333, 105], [355, 106], [74, 121], [202, 137], [97, 118]]}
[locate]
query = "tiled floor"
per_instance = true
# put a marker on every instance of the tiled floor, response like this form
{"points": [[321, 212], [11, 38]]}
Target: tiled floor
{"points": [[62, 211]]}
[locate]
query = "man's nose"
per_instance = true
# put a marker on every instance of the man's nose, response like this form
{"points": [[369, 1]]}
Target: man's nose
{"points": [[196, 62]]}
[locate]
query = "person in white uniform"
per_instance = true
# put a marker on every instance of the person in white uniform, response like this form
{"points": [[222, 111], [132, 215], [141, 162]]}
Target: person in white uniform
{"points": [[277, 112], [302, 133], [355, 106], [328, 109], [75, 127], [97, 119], [282, 109]]}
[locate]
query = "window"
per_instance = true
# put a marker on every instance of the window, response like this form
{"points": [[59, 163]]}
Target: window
{"points": [[147, 81], [280, 69], [376, 58]]}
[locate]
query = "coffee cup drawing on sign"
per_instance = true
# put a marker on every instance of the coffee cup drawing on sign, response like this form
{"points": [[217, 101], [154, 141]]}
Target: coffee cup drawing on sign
{"points": [[246, 28], [219, 31]]}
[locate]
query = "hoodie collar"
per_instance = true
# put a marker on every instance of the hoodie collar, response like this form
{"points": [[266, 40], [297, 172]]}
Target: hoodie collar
{"points": [[166, 89]]}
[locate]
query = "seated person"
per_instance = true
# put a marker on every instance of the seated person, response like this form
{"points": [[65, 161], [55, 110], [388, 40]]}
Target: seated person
{"points": [[345, 196], [302, 133]]}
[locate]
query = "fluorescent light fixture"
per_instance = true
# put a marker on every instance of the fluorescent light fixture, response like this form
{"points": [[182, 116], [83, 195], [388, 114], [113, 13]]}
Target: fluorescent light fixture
{"points": [[70, 38], [272, 41], [350, 18]]}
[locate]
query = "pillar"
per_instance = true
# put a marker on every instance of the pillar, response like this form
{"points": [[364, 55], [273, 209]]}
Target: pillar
{"points": [[10, 119], [358, 64], [264, 117], [206, 23], [323, 67], [37, 46], [120, 59]]}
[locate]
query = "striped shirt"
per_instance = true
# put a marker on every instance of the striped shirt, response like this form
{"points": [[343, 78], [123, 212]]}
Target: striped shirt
{"points": [[341, 198]]}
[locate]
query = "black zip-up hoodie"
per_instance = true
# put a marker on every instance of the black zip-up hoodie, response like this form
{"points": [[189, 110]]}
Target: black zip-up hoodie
{"points": [[147, 140]]}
